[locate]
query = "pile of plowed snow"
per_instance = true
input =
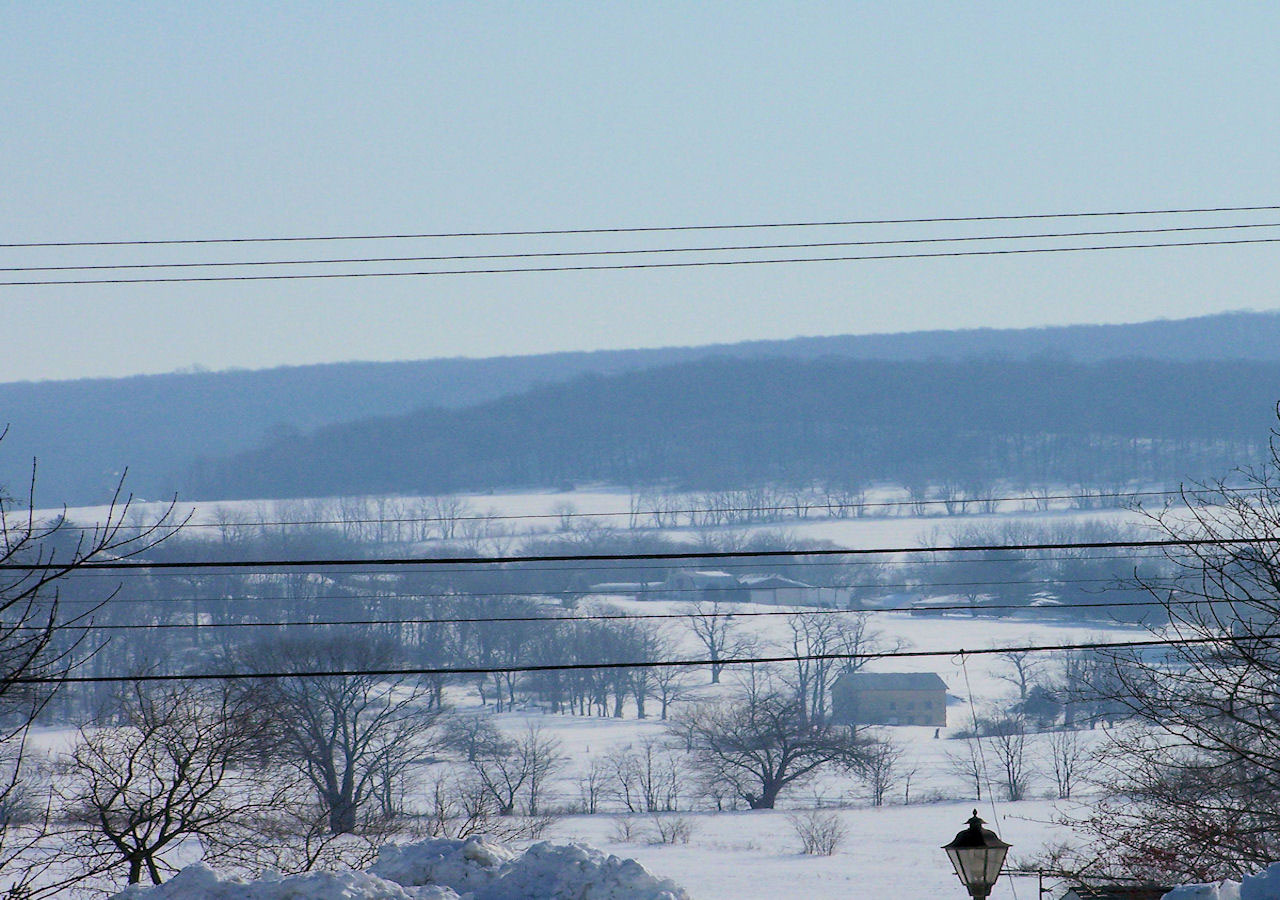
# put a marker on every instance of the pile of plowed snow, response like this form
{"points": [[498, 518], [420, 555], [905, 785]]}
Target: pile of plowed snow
{"points": [[1263, 886], [441, 869]]}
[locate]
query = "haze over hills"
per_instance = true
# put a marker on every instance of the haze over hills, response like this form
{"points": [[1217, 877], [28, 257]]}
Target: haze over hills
{"points": [[733, 423], [85, 432]]}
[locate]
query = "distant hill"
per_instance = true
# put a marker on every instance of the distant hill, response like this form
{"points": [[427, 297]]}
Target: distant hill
{"points": [[730, 423], [85, 432]]}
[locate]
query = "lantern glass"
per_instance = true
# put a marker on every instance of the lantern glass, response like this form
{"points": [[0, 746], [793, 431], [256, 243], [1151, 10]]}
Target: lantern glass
{"points": [[978, 867], [977, 854]]}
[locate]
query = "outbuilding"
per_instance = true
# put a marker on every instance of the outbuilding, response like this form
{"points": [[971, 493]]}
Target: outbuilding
{"points": [[889, 698]]}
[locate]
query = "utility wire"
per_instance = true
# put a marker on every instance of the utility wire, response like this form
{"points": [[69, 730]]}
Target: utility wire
{"points": [[551, 254], [644, 229], [680, 565], [643, 617], [624, 557], [622, 266], [645, 664], [487, 595]]}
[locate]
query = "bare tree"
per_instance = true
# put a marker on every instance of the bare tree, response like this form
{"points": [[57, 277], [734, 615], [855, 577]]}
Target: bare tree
{"points": [[1068, 760], [646, 777], [447, 513], [966, 762], [460, 806], [1020, 670], [1009, 747], [711, 622], [516, 772], [178, 766], [880, 768], [1200, 755], [39, 641], [591, 785], [671, 684], [348, 734], [473, 736], [818, 642], [760, 742]]}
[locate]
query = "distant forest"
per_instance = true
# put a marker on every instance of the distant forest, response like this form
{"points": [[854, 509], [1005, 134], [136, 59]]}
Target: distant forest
{"points": [[86, 432], [731, 422]]}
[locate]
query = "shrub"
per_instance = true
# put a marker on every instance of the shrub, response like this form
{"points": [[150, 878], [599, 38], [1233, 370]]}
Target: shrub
{"points": [[820, 833]]}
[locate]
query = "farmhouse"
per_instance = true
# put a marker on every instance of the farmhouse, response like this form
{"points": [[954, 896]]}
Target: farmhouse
{"points": [[889, 698]]}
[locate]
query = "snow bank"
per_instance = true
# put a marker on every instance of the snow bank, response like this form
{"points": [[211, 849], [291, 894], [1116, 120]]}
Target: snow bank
{"points": [[1226, 890], [545, 871], [199, 882], [1263, 886], [441, 869], [467, 866]]}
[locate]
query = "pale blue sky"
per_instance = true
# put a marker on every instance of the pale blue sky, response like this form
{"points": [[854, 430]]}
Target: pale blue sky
{"points": [[130, 120]]}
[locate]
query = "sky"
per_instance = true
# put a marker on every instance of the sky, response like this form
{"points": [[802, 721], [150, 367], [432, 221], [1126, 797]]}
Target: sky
{"points": [[124, 121]]}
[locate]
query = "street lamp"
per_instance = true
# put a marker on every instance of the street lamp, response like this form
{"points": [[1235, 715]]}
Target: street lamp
{"points": [[977, 853]]}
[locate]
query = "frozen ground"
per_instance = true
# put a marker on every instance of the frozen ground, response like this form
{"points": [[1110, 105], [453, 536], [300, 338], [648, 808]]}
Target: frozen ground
{"points": [[884, 526], [891, 850]]}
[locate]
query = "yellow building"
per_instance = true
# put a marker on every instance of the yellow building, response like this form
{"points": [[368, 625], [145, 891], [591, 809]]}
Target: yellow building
{"points": [[889, 698]]}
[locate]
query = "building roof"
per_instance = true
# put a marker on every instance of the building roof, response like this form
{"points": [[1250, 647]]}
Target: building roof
{"points": [[705, 578], [894, 681], [771, 581]]}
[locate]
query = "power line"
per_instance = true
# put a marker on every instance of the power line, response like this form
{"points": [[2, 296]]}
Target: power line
{"points": [[679, 566], [657, 592], [642, 617], [625, 557], [643, 229], [646, 664], [632, 266], [720, 566], [550, 254]]}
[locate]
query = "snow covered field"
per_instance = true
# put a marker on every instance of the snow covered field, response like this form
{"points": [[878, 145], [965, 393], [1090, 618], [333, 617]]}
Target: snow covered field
{"points": [[893, 849], [540, 512]]}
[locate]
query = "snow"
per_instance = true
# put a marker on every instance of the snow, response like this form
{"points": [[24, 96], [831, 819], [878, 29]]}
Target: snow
{"points": [[1263, 886], [467, 866], [1226, 890], [741, 855], [199, 882], [491, 872], [440, 869], [889, 527]]}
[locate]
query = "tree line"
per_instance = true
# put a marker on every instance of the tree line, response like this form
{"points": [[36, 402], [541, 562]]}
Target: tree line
{"points": [[734, 424]]}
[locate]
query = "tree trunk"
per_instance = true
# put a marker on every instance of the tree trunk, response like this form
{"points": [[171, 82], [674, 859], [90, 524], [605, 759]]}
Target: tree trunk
{"points": [[342, 818], [768, 797]]}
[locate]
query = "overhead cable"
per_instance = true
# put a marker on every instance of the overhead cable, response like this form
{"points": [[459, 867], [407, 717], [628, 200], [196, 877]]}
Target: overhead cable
{"points": [[644, 229], [643, 664], [632, 266], [551, 254], [431, 561]]}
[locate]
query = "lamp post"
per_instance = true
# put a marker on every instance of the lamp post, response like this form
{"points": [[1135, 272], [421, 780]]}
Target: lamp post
{"points": [[978, 854]]}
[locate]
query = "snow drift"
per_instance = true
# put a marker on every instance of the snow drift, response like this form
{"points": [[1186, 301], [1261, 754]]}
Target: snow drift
{"points": [[440, 869], [1264, 886]]}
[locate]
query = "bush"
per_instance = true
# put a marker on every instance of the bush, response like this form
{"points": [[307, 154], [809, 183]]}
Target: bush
{"points": [[672, 830], [624, 830], [820, 833]]}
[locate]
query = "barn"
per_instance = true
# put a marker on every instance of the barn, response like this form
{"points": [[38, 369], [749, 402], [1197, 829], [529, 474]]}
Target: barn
{"points": [[889, 698]]}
